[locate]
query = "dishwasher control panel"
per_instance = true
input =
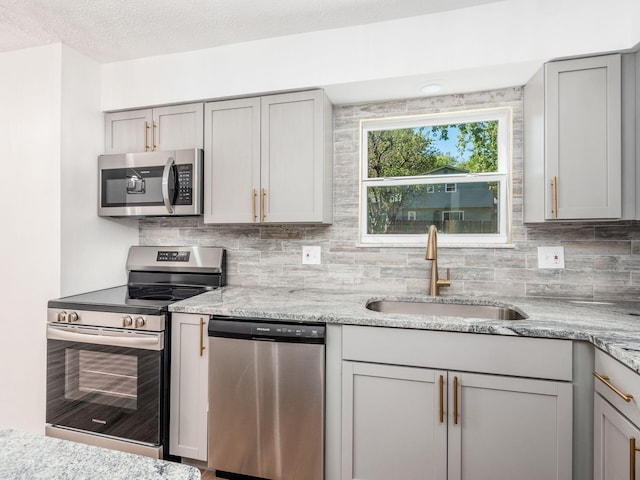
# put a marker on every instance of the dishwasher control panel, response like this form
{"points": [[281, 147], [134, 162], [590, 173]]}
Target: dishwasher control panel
{"points": [[256, 329]]}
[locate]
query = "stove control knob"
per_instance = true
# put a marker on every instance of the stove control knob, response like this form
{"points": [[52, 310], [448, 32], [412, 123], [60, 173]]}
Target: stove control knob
{"points": [[72, 317], [62, 316], [140, 322], [127, 321]]}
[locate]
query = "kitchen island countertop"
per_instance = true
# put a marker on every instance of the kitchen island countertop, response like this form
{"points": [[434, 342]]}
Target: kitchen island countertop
{"points": [[27, 456], [614, 327]]}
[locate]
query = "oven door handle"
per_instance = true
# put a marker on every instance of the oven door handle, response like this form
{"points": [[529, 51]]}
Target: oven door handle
{"points": [[165, 184], [142, 342]]}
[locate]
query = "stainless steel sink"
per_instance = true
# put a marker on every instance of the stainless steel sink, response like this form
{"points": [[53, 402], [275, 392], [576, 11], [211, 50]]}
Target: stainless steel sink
{"points": [[491, 312]]}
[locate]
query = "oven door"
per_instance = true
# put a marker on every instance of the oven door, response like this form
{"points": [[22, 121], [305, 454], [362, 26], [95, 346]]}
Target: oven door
{"points": [[106, 381]]}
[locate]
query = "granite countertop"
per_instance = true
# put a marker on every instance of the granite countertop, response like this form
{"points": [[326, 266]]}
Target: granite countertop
{"points": [[27, 456], [614, 327]]}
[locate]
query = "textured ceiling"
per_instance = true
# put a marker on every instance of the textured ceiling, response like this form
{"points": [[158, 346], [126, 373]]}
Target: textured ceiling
{"points": [[113, 30]]}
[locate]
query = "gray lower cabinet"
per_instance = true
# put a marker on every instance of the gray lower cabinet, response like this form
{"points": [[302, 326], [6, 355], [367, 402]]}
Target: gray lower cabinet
{"points": [[616, 420], [615, 455], [189, 406], [269, 159], [402, 419], [391, 427], [174, 127], [573, 140]]}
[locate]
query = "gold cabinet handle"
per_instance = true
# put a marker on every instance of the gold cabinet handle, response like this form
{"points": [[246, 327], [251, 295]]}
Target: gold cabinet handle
{"points": [[627, 397], [554, 187], [146, 132], [441, 399], [153, 136], [253, 202], [455, 400], [632, 458], [201, 336], [262, 214]]}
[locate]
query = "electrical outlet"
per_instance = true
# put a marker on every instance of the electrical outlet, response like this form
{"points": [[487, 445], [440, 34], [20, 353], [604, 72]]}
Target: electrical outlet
{"points": [[550, 257], [311, 255]]}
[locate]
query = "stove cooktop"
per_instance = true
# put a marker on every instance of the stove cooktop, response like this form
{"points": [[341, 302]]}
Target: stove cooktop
{"points": [[146, 299]]}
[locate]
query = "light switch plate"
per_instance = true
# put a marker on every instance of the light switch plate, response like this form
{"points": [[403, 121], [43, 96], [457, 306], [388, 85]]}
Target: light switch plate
{"points": [[550, 257], [311, 255]]}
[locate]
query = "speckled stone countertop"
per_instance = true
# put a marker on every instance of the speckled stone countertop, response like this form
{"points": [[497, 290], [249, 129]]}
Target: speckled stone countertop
{"points": [[614, 327], [27, 456]]}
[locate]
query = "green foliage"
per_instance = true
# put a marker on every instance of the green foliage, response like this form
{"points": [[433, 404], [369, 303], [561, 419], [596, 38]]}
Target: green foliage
{"points": [[403, 152], [480, 139], [414, 151]]}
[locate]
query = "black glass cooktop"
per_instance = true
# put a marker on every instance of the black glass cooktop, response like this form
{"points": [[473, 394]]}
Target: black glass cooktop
{"points": [[146, 299]]}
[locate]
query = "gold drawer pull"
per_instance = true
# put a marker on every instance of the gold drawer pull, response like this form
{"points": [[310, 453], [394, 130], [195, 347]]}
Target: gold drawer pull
{"points": [[554, 186], [632, 458], [455, 400], [253, 199], [146, 133], [441, 399], [627, 397], [202, 347], [153, 136]]}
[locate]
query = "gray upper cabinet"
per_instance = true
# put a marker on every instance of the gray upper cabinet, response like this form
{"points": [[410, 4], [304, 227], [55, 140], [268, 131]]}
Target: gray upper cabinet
{"points": [[164, 128], [573, 141], [269, 159]]}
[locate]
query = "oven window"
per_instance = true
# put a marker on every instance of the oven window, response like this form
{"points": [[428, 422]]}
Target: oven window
{"points": [[111, 390], [100, 377]]}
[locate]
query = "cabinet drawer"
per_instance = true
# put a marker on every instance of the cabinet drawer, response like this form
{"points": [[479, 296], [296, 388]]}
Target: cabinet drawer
{"points": [[622, 378], [502, 355]]}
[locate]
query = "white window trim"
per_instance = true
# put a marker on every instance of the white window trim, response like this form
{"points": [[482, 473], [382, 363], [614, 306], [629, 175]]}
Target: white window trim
{"points": [[505, 140]]}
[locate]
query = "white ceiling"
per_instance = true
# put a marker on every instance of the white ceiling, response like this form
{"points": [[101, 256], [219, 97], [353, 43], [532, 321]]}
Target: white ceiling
{"points": [[115, 30]]}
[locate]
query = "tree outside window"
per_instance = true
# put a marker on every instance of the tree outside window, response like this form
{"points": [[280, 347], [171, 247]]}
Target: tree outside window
{"points": [[428, 165]]}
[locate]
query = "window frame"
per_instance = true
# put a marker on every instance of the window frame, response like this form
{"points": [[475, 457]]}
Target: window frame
{"points": [[503, 175]]}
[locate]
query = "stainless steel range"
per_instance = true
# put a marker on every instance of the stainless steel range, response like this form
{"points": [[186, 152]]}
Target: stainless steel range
{"points": [[108, 350]]}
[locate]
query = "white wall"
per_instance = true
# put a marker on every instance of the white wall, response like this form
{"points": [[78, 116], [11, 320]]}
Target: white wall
{"points": [[490, 46], [30, 220], [52, 241], [94, 249]]}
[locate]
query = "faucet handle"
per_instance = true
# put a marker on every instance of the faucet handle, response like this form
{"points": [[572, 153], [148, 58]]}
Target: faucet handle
{"points": [[447, 282]]}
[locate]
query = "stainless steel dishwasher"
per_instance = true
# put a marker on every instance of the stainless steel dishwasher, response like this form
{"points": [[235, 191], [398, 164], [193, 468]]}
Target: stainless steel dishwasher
{"points": [[266, 399]]}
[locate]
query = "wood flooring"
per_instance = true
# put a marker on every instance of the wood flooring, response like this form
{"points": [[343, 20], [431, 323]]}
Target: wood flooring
{"points": [[208, 475]]}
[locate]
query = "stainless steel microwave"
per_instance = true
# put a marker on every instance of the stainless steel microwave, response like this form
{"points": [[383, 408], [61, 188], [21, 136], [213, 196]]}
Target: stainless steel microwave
{"points": [[151, 184]]}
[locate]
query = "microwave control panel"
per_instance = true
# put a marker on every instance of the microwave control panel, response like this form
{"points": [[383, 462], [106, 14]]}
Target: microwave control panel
{"points": [[184, 194]]}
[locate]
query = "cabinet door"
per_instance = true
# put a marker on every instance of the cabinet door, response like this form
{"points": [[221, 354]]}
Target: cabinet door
{"points": [[232, 161], [128, 132], [391, 423], [613, 458], [293, 157], [189, 381], [178, 127], [509, 427], [583, 138]]}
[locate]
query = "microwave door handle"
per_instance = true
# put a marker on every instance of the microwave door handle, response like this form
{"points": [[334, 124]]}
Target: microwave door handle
{"points": [[165, 184]]}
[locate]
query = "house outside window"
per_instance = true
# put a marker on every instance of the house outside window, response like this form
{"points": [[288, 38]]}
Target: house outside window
{"points": [[451, 170]]}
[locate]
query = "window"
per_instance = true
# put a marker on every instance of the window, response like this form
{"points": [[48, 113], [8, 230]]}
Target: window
{"points": [[451, 170], [453, 215]]}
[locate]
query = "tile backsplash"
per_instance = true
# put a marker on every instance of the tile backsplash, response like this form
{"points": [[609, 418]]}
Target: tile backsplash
{"points": [[602, 260]]}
